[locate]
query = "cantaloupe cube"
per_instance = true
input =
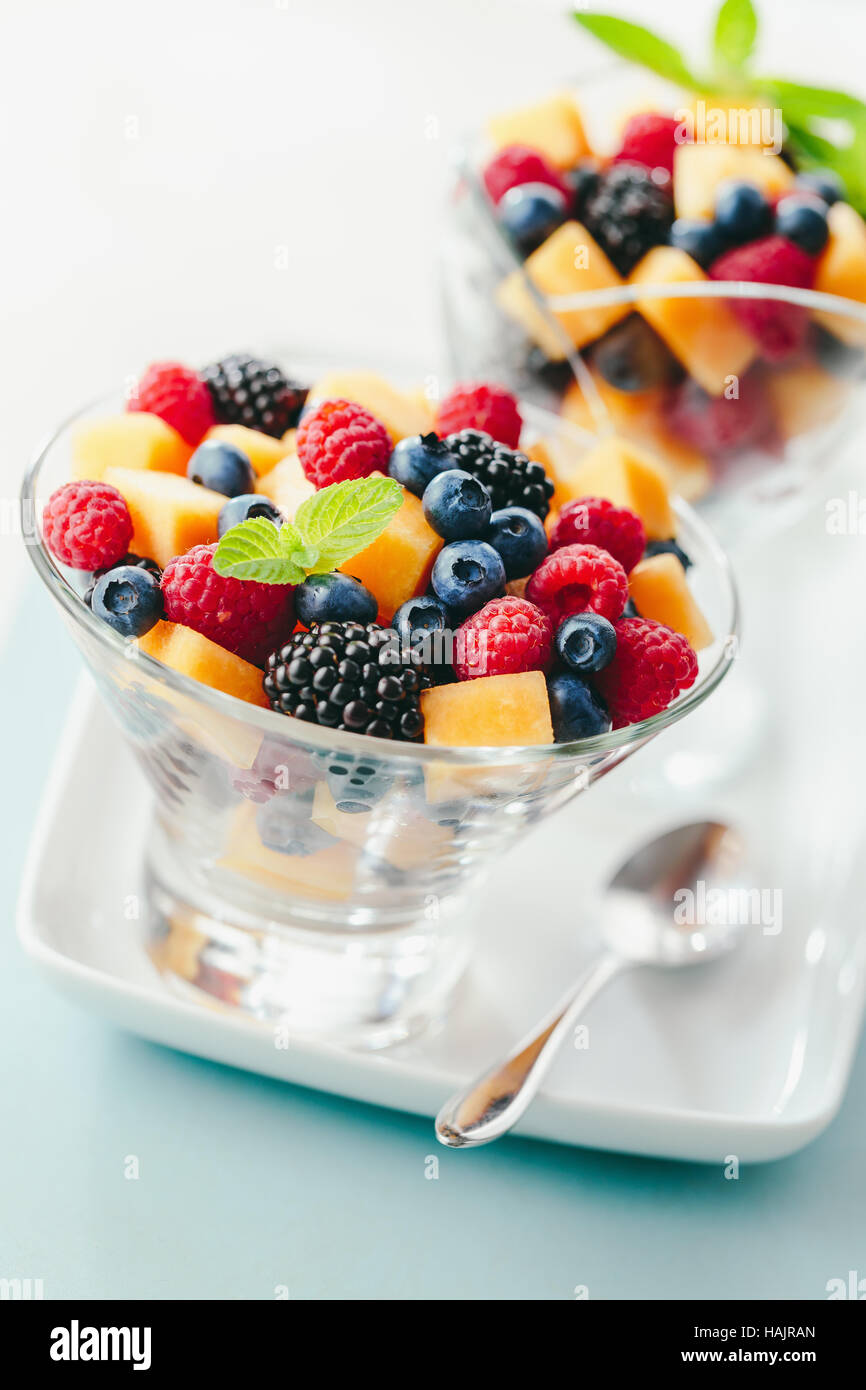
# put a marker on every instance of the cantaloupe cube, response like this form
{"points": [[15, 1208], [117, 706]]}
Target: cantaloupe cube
{"points": [[169, 514], [559, 457], [496, 711], [398, 563], [660, 591], [569, 262], [392, 830], [286, 485], [328, 873], [263, 451], [841, 270], [401, 413], [700, 168], [133, 440], [804, 398], [702, 333], [204, 661], [629, 476], [554, 127]]}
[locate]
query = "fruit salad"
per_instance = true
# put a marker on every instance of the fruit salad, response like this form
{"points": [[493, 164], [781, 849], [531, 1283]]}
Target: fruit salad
{"points": [[357, 557]]}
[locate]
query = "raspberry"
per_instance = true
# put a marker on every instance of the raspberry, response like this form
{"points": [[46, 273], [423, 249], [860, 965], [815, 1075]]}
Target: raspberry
{"points": [[87, 525], [596, 521], [649, 139], [505, 637], [718, 424], [178, 396], [780, 329], [484, 407], [650, 667], [340, 440], [576, 578], [519, 164], [242, 615]]}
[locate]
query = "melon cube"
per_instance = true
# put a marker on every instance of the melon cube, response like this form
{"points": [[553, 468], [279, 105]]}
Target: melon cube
{"points": [[287, 486], [554, 127], [628, 476], [660, 591], [498, 711], [327, 873], [804, 398], [841, 270], [569, 262], [169, 514], [263, 451], [702, 333], [401, 413], [204, 661], [398, 563], [133, 440], [700, 168]]}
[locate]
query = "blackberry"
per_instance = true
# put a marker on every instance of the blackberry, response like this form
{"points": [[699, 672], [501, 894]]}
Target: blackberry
{"points": [[510, 477], [141, 562], [350, 676], [627, 214], [247, 391]]}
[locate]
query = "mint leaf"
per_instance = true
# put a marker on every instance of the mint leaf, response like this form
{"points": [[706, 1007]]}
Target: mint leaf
{"points": [[640, 45], [736, 31], [805, 103], [254, 550], [345, 518]]}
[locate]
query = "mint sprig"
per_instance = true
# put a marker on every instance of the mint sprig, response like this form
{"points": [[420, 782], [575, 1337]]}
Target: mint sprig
{"points": [[329, 528], [806, 110]]}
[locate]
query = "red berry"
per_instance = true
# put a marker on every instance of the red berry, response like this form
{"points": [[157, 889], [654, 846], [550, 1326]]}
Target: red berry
{"points": [[519, 164], [650, 667], [780, 329], [87, 525], [718, 424], [596, 521], [480, 406], [178, 396], [242, 615], [576, 578], [505, 637], [650, 139], [339, 440]]}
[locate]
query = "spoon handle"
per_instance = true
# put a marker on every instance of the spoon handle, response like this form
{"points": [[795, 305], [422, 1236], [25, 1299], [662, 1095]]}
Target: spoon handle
{"points": [[492, 1104]]}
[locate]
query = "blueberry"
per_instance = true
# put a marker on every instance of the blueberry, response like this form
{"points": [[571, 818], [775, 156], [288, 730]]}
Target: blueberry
{"points": [[701, 240], [222, 467], [824, 182], [667, 548], [520, 538], [529, 212], [422, 623], [334, 598], [244, 508], [632, 357], [802, 218], [284, 824], [586, 642], [742, 211], [417, 459], [457, 505], [576, 710], [129, 599], [466, 575], [630, 610]]}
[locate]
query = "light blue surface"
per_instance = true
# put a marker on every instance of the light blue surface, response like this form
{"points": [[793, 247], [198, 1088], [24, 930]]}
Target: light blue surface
{"points": [[248, 1184]]}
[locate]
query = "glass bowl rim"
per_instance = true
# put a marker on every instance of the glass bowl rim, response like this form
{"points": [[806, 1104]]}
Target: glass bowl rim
{"points": [[269, 722]]}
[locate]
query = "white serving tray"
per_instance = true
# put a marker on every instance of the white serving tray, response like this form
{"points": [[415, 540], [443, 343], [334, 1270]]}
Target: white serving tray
{"points": [[746, 1057]]}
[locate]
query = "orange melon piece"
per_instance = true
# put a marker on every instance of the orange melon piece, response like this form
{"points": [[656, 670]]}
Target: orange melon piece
{"points": [[559, 457], [328, 873], [132, 440], [804, 398], [496, 711], [204, 661], [401, 413], [661, 592], [554, 127], [629, 476], [569, 262], [169, 514], [841, 270], [263, 451], [404, 840], [286, 485], [398, 563], [700, 168], [702, 333]]}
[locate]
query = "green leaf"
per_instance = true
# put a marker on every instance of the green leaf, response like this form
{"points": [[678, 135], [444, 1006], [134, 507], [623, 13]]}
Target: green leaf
{"points": [[346, 517], [804, 103], [736, 31], [639, 45], [253, 550]]}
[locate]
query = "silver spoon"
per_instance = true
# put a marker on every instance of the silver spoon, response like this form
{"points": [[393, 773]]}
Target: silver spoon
{"points": [[650, 916]]}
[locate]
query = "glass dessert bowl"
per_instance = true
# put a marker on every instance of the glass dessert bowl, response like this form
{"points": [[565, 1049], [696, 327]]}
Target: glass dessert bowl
{"points": [[322, 881]]}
